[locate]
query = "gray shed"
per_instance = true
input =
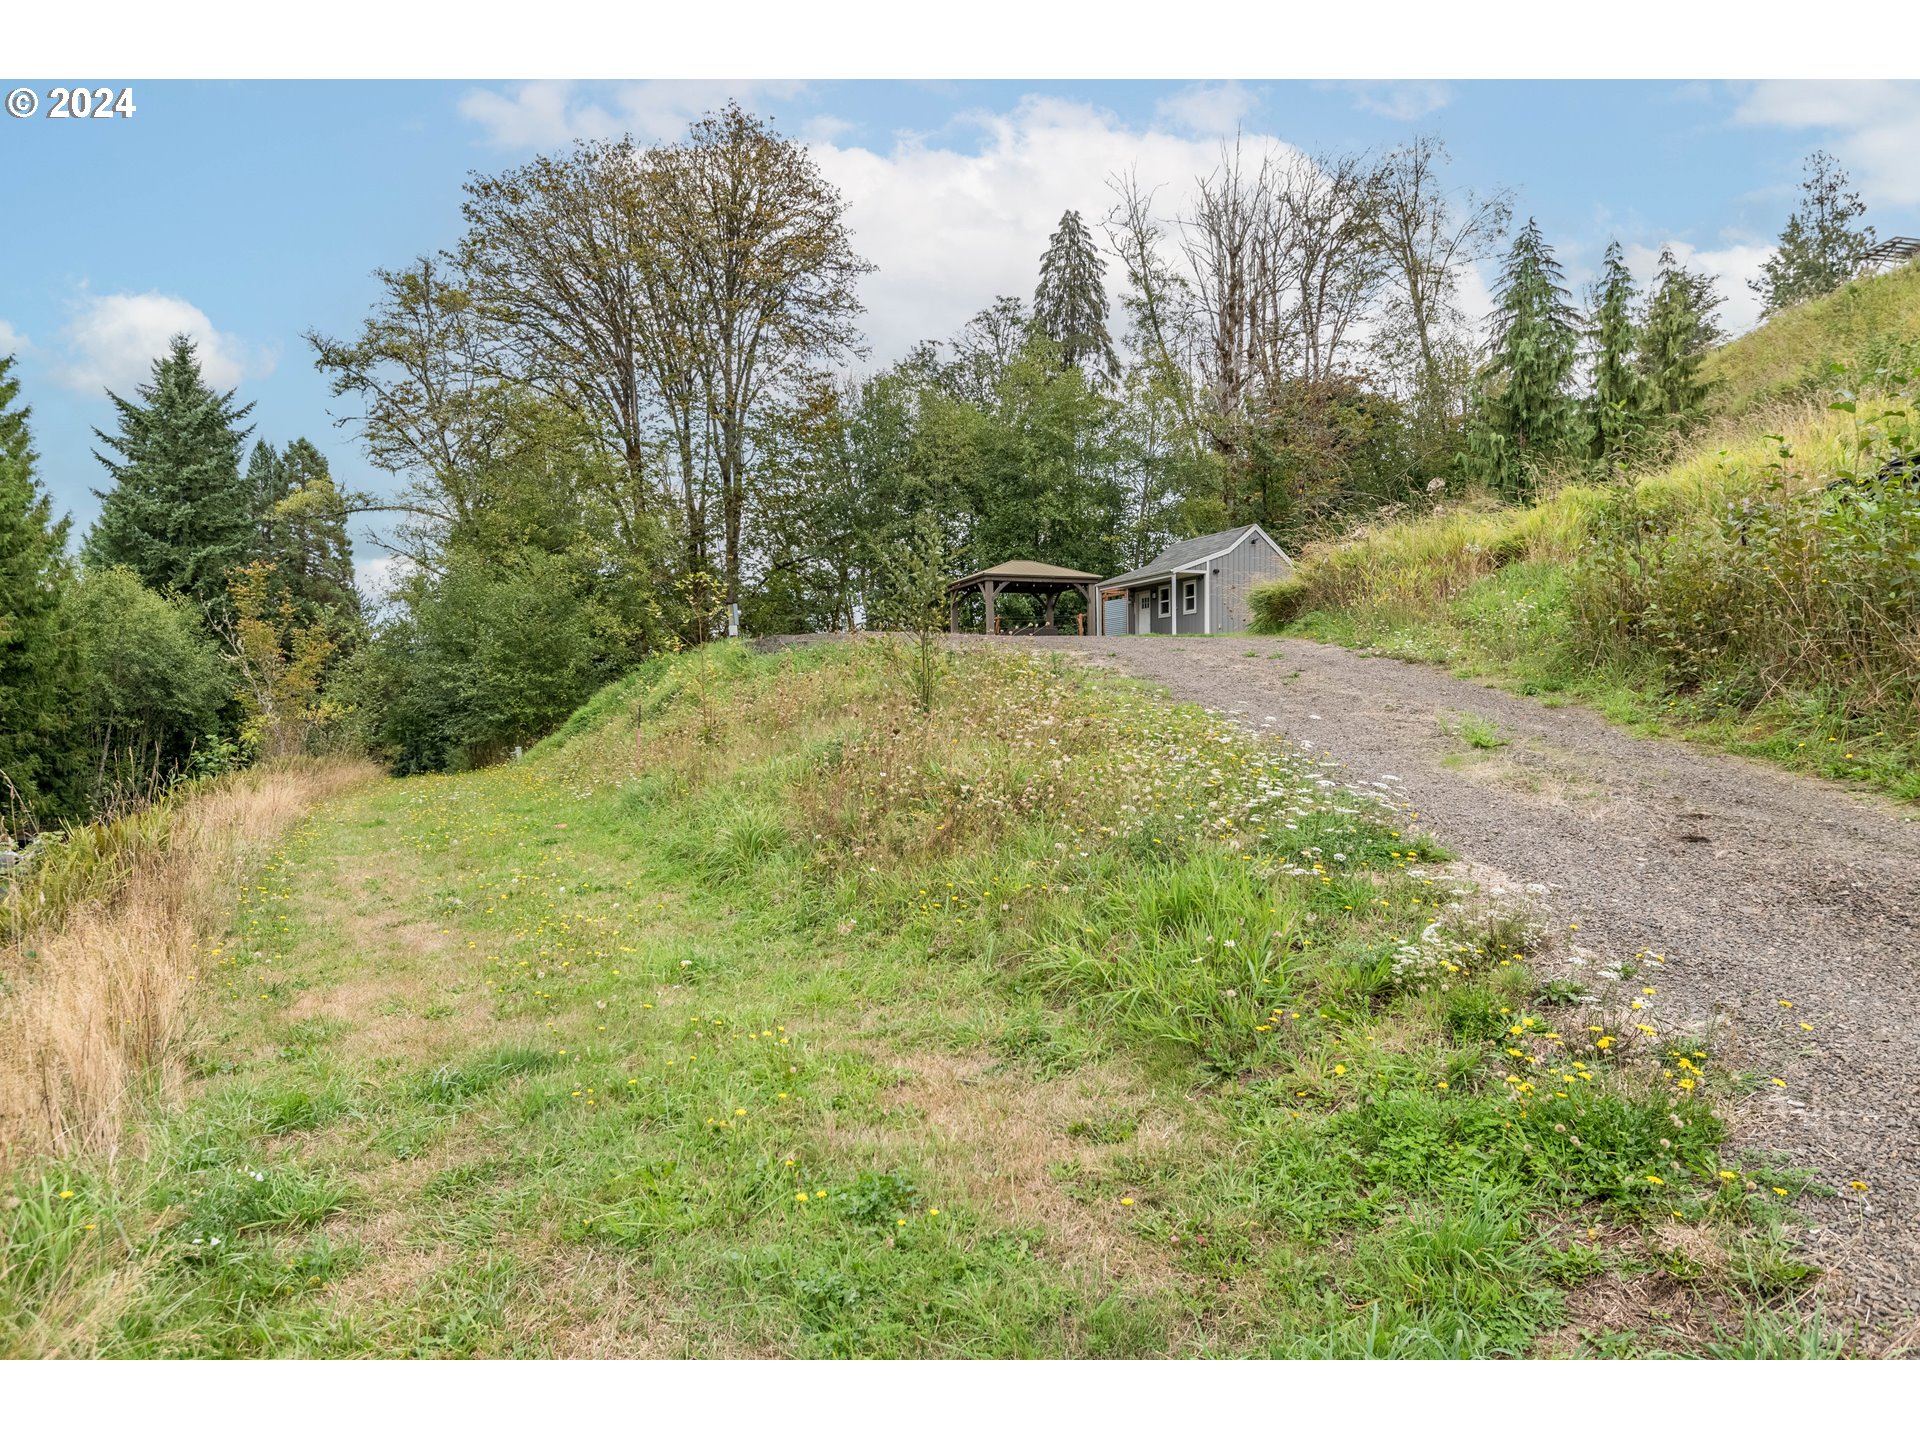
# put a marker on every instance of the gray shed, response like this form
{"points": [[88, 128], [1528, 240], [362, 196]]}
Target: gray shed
{"points": [[1195, 587]]}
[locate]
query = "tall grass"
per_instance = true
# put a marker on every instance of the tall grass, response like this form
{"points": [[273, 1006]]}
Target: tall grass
{"points": [[104, 945]]}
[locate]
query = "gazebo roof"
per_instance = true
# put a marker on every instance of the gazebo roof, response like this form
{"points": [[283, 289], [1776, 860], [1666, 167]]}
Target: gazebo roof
{"points": [[1015, 571]]}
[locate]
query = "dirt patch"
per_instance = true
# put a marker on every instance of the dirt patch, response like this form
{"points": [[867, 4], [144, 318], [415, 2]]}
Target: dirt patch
{"points": [[1536, 775], [1663, 1311], [1005, 1138]]}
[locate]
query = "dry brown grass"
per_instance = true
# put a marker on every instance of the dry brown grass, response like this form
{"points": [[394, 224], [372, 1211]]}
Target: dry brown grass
{"points": [[95, 1004]]}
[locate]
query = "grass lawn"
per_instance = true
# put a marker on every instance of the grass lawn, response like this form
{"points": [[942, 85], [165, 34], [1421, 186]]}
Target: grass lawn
{"points": [[755, 1014]]}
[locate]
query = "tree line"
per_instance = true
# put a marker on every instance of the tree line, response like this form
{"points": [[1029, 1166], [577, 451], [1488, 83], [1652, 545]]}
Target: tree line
{"points": [[625, 406], [191, 632]]}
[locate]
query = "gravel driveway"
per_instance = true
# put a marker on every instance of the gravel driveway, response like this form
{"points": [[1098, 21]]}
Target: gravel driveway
{"points": [[1757, 887]]}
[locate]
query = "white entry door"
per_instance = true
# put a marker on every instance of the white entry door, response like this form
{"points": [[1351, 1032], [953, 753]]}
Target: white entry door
{"points": [[1145, 626]]}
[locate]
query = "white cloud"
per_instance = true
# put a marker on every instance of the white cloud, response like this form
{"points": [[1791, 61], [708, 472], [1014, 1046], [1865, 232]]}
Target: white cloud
{"points": [[824, 129], [951, 228], [541, 113], [12, 342], [1399, 99], [1733, 264], [1874, 128], [113, 340], [377, 579], [1210, 110]]}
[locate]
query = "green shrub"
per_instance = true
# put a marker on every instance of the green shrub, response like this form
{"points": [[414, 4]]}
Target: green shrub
{"points": [[1277, 603]]}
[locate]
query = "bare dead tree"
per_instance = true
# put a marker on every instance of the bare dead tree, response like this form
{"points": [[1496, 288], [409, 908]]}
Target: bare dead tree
{"points": [[1427, 235], [1331, 260], [1224, 241], [1158, 301]]}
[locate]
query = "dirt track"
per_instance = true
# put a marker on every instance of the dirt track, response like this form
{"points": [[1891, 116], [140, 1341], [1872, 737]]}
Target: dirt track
{"points": [[1757, 886]]}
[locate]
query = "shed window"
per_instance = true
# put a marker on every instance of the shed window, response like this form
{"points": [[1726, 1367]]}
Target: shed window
{"points": [[1189, 596], [1166, 599]]}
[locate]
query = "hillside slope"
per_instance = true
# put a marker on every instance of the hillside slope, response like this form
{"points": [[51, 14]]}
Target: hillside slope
{"points": [[1863, 324], [760, 1015]]}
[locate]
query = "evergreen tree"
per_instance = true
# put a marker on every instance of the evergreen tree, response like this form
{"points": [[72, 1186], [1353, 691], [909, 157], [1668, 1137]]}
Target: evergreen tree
{"points": [[1524, 412], [1070, 305], [1619, 391], [1821, 247], [1679, 328], [316, 553], [267, 482], [300, 523], [180, 514], [37, 670]]}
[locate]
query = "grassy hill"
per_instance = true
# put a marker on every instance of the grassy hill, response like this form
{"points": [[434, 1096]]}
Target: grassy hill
{"points": [[757, 1014], [1861, 326], [1761, 592]]}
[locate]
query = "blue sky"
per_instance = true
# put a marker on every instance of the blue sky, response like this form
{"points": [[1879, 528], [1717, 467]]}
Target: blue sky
{"points": [[249, 212]]}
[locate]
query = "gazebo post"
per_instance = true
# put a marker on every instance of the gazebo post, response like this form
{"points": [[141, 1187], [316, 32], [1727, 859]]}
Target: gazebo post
{"points": [[1052, 597], [991, 621]]}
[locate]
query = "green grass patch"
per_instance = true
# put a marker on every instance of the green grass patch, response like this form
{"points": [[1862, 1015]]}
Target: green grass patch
{"points": [[758, 1014]]}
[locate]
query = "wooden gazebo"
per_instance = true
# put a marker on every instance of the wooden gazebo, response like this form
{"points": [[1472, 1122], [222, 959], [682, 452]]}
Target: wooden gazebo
{"points": [[1024, 577]]}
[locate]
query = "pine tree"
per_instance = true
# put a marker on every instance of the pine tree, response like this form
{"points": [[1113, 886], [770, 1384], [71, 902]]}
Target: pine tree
{"points": [[312, 547], [1679, 328], [300, 524], [267, 483], [37, 669], [180, 514], [1070, 305], [1524, 412], [1619, 391], [1820, 248]]}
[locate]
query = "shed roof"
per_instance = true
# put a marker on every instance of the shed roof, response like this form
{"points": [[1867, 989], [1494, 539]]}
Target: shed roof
{"points": [[1024, 570], [1184, 553]]}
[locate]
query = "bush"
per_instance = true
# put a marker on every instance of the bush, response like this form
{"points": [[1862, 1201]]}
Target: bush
{"points": [[1799, 580], [484, 657], [1277, 603], [156, 684]]}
